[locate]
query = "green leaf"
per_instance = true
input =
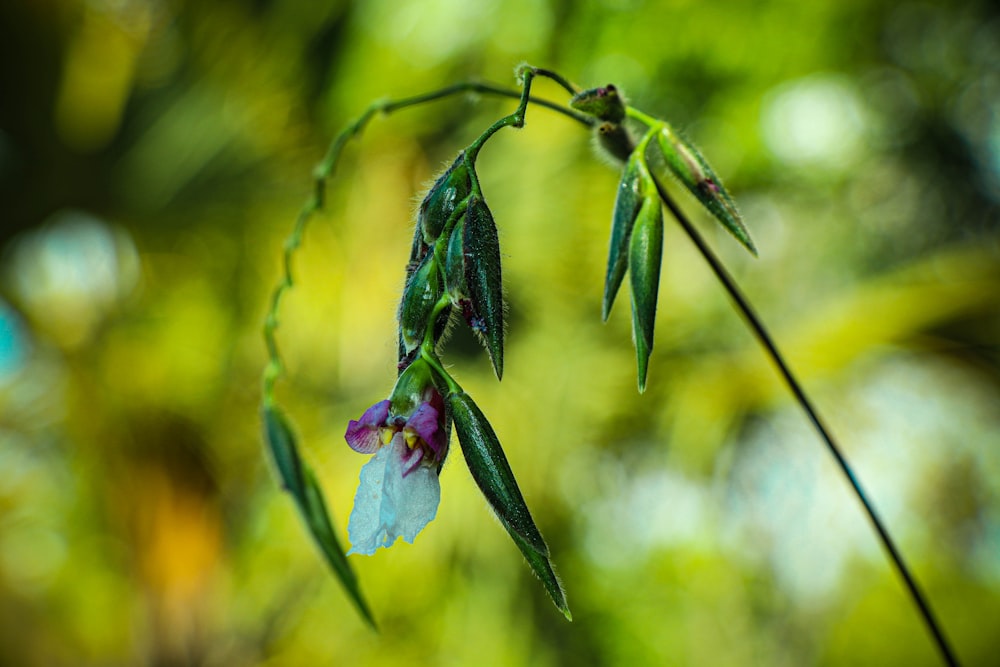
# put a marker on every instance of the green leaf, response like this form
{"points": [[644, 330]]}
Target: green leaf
{"points": [[298, 479], [691, 169], [627, 204], [493, 475], [283, 451]]}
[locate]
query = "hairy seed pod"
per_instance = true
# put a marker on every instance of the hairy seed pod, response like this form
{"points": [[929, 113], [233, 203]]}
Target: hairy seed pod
{"points": [[422, 291], [686, 163], [473, 279], [447, 193], [603, 103]]}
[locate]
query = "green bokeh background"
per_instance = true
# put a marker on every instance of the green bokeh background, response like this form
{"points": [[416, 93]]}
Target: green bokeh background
{"points": [[153, 156]]}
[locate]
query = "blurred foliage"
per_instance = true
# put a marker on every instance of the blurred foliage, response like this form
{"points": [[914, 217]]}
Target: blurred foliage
{"points": [[153, 155]]}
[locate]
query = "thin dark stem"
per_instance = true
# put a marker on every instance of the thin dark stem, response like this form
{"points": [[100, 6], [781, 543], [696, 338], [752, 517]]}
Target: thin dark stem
{"points": [[559, 79], [488, 89], [750, 315], [515, 119]]}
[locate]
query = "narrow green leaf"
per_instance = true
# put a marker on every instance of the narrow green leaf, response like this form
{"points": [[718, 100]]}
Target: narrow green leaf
{"points": [[493, 475], [627, 204], [691, 169], [281, 443], [298, 479], [322, 530]]}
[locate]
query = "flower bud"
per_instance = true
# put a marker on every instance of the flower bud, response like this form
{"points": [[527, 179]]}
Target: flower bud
{"points": [[602, 103], [615, 140], [422, 291], [691, 169], [606, 105], [448, 192], [645, 254]]}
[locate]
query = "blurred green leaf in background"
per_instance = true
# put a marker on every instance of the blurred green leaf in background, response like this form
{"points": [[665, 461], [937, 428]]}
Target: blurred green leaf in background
{"points": [[153, 155]]}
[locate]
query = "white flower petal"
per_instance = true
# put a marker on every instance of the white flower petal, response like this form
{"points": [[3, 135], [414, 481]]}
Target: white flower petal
{"points": [[387, 505]]}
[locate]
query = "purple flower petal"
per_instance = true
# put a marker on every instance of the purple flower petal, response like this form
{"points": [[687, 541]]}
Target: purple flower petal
{"points": [[424, 421], [363, 435]]}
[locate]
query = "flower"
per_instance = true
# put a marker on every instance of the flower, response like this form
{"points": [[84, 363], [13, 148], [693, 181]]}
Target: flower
{"points": [[399, 490]]}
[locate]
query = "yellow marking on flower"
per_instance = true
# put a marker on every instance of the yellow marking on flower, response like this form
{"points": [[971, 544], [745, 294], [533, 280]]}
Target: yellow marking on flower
{"points": [[412, 437], [385, 434]]}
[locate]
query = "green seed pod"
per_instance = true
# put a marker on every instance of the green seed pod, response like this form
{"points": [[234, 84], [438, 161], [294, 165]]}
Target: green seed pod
{"points": [[422, 291], [627, 205], [491, 471], [645, 254], [473, 278], [454, 265], [418, 250], [691, 169], [448, 192]]}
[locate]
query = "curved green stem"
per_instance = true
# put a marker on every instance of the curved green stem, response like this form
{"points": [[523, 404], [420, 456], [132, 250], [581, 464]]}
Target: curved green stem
{"points": [[760, 331], [515, 119], [644, 172], [432, 360], [645, 119], [549, 74]]}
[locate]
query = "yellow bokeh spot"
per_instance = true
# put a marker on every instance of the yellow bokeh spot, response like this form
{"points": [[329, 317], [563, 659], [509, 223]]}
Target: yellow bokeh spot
{"points": [[97, 78]]}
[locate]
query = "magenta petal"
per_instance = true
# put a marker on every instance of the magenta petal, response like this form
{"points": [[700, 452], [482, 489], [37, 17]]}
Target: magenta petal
{"points": [[411, 459], [424, 421], [362, 435]]}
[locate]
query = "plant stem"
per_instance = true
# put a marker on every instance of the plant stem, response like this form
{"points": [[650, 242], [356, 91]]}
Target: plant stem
{"points": [[760, 331], [515, 119]]}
